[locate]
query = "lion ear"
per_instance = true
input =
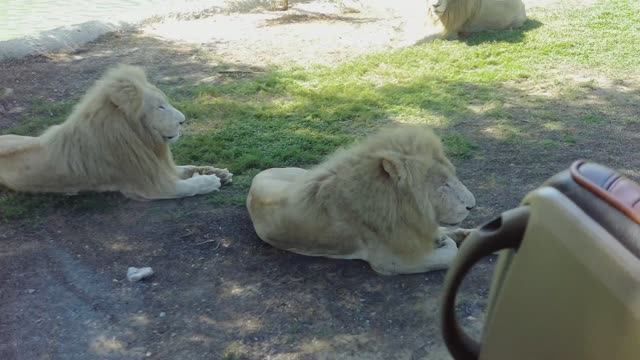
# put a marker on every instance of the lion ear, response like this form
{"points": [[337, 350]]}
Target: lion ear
{"points": [[392, 167], [126, 95]]}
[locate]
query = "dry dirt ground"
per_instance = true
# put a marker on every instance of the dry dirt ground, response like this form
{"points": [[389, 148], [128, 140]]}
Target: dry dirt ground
{"points": [[218, 291]]}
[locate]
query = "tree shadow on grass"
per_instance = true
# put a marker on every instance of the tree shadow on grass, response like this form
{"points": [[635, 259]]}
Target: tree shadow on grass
{"points": [[504, 139], [509, 36]]}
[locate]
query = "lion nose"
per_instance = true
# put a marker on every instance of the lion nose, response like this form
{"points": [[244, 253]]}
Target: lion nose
{"points": [[182, 119], [436, 3]]}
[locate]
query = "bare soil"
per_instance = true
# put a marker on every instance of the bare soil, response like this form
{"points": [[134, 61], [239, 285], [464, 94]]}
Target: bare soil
{"points": [[218, 291]]}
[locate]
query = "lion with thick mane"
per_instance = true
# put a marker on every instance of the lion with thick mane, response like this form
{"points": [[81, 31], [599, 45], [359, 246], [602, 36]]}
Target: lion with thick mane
{"points": [[382, 201], [457, 17], [116, 139]]}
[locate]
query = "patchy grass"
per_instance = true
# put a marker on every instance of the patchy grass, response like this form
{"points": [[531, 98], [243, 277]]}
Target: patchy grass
{"points": [[549, 143], [42, 115], [295, 117], [458, 145], [592, 118]]}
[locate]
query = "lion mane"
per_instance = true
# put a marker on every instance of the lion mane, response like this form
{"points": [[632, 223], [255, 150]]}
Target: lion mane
{"points": [[112, 141], [380, 200], [115, 139]]}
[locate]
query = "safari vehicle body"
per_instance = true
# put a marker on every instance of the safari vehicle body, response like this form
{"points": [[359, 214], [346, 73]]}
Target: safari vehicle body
{"points": [[567, 282]]}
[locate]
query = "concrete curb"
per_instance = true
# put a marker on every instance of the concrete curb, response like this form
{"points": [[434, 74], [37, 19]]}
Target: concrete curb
{"points": [[70, 37], [67, 38]]}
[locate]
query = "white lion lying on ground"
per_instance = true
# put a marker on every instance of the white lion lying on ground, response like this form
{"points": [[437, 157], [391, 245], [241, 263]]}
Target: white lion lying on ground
{"points": [[116, 139], [381, 201], [456, 17]]}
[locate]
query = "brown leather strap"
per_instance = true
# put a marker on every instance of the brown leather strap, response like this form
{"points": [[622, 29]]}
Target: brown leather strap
{"points": [[618, 191]]}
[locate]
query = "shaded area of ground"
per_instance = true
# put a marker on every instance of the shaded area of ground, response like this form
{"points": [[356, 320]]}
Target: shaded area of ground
{"points": [[218, 292]]}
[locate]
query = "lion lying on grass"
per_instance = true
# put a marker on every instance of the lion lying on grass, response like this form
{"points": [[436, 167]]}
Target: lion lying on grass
{"points": [[457, 17], [380, 201], [116, 139]]}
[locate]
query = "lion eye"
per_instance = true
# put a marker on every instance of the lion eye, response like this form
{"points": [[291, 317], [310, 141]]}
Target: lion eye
{"points": [[161, 107]]}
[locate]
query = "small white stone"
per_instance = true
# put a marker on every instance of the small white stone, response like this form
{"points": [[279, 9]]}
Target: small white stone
{"points": [[16, 110], [163, 314], [31, 291], [136, 274]]}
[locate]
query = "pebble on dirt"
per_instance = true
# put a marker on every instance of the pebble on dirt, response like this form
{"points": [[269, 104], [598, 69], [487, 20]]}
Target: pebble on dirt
{"points": [[136, 274]]}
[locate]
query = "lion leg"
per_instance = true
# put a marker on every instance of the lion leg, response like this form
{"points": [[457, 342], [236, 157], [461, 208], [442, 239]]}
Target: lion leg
{"points": [[458, 235], [187, 171], [195, 185], [438, 259], [441, 257]]}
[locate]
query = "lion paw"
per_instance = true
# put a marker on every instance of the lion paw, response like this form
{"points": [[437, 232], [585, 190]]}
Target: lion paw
{"points": [[223, 174], [441, 240], [459, 235], [206, 183]]}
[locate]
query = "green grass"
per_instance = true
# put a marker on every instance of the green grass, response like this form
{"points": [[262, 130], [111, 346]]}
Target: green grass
{"points": [[549, 144], [592, 118], [458, 145], [42, 115], [295, 117]]}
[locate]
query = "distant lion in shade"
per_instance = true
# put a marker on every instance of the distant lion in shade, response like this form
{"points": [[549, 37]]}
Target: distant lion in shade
{"points": [[382, 200]]}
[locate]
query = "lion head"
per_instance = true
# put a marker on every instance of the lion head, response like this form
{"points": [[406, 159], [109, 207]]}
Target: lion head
{"points": [[161, 117], [415, 161], [438, 6], [140, 101], [410, 180], [453, 13], [449, 197], [124, 126]]}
